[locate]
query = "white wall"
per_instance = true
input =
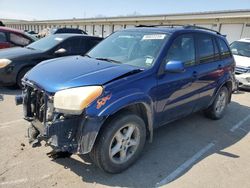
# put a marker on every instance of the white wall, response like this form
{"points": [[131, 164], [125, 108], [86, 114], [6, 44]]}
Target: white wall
{"points": [[107, 30], [98, 30], [118, 27], [89, 29], [232, 31], [246, 31]]}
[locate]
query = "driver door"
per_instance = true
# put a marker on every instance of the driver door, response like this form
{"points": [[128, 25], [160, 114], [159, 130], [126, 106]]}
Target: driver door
{"points": [[177, 92]]}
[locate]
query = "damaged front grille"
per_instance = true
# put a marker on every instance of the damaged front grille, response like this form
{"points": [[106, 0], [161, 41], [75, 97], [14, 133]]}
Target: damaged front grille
{"points": [[36, 104]]}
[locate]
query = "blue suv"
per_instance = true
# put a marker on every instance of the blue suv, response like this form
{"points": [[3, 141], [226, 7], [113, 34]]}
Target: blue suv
{"points": [[108, 103]]}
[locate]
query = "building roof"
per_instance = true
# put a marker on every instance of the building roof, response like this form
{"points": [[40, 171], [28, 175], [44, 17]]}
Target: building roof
{"points": [[161, 17]]}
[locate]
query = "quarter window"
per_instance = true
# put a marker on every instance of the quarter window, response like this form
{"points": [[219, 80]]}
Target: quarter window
{"points": [[205, 48], [182, 50], [224, 50]]}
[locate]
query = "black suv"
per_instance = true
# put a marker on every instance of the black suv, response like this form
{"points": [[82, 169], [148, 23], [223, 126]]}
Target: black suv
{"points": [[67, 30]]}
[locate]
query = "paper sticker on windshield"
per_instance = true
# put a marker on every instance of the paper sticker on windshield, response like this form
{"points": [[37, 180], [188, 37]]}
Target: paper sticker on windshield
{"points": [[153, 37], [149, 61], [59, 39]]}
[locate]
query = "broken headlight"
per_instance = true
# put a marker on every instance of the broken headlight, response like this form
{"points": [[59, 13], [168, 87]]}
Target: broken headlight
{"points": [[73, 101]]}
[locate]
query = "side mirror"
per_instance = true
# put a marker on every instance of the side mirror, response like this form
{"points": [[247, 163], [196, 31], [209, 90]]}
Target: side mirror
{"points": [[61, 51], [175, 67]]}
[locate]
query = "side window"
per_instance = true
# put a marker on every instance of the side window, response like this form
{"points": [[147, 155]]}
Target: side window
{"points": [[224, 50], [72, 46], [92, 43], [19, 39], [205, 48], [3, 37], [182, 50]]}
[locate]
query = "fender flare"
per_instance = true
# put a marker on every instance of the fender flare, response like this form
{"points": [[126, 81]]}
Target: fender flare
{"points": [[224, 82], [129, 100]]}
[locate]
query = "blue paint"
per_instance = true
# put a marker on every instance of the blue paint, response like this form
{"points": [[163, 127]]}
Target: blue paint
{"points": [[167, 92]]}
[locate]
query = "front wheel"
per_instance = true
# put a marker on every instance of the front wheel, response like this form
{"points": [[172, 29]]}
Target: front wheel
{"points": [[217, 109], [20, 77], [120, 144]]}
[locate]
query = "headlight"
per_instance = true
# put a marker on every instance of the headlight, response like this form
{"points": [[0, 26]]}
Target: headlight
{"points": [[73, 101], [4, 62]]}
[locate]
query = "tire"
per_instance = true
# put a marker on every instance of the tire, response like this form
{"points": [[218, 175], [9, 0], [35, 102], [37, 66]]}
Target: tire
{"points": [[217, 110], [21, 75], [115, 138]]}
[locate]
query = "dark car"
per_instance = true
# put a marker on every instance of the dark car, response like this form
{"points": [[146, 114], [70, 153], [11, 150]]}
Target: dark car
{"points": [[12, 37], [67, 30], [1, 23], [108, 103], [15, 62]]}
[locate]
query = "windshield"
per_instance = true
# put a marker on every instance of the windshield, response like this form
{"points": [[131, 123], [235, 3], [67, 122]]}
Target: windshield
{"points": [[240, 48], [46, 43], [130, 47]]}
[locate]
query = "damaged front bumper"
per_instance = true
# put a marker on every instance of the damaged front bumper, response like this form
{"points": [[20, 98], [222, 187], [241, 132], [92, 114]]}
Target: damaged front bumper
{"points": [[244, 80], [66, 133]]}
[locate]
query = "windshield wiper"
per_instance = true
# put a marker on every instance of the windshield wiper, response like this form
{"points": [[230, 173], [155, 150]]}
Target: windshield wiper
{"points": [[86, 55], [108, 60]]}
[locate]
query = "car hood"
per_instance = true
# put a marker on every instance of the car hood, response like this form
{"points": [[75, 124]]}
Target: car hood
{"points": [[242, 61], [17, 53], [75, 71]]}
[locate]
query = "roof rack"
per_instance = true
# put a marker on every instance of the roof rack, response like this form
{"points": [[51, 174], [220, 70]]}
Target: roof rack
{"points": [[184, 26], [203, 28], [163, 25]]}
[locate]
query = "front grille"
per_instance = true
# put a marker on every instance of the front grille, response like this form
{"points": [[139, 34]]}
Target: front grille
{"points": [[36, 104], [241, 70]]}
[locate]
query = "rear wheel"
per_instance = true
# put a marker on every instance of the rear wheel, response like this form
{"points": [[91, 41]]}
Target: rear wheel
{"points": [[21, 75], [120, 143], [217, 109]]}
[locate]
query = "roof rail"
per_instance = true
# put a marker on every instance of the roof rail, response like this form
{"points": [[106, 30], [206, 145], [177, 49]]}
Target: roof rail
{"points": [[202, 28], [163, 25], [184, 26]]}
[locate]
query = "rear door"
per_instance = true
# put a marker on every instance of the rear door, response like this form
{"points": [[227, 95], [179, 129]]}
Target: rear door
{"points": [[209, 70], [176, 93]]}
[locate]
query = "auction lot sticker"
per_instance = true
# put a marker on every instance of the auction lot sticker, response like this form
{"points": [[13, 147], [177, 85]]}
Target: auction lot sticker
{"points": [[154, 37]]}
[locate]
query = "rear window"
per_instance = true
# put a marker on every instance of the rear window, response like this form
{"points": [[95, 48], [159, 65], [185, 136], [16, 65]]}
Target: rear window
{"points": [[205, 48], [77, 31], [224, 49]]}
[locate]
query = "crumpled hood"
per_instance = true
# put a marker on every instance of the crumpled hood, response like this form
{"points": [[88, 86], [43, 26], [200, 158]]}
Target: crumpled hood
{"points": [[17, 52], [242, 61], [74, 71]]}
